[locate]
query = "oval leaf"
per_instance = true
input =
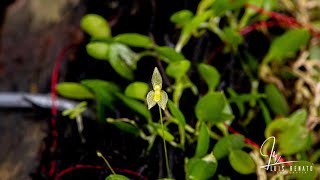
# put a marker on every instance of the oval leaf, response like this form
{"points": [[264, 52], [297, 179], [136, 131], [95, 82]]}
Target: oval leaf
{"points": [[124, 126], [241, 162], [177, 113], [210, 75], [203, 141], [201, 169], [135, 105], [168, 54], [119, 64], [74, 91], [98, 50], [116, 177], [287, 45], [226, 144], [178, 69], [134, 39], [210, 107], [181, 17], [165, 135], [299, 117], [276, 100], [95, 25], [137, 90]]}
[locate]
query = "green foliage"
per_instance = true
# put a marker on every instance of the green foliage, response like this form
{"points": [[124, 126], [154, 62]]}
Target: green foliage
{"points": [[210, 108], [116, 177], [98, 50], [241, 162], [134, 39], [168, 54], [276, 100], [203, 141], [210, 75], [178, 69], [74, 91], [227, 144], [287, 45], [137, 90], [95, 25], [177, 113], [181, 17], [201, 169]]}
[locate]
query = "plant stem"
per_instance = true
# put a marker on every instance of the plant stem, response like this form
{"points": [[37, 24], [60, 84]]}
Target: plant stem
{"points": [[164, 144], [105, 160]]}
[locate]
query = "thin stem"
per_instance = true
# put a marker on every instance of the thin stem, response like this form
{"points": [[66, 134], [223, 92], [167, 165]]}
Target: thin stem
{"points": [[105, 160], [164, 144]]}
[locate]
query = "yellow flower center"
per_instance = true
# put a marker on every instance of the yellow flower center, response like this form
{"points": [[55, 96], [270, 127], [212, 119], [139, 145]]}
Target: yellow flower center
{"points": [[157, 95]]}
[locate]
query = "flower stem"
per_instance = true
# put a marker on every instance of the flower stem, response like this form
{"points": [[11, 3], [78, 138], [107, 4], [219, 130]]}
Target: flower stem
{"points": [[164, 144], [105, 160]]}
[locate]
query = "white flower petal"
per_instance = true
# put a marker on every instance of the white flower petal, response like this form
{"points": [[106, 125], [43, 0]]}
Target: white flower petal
{"points": [[150, 100], [156, 78], [163, 100]]}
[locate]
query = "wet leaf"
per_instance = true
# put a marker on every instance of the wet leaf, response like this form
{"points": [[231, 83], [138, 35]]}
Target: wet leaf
{"points": [[241, 162], [226, 144], [134, 39], [95, 25], [74, 91], [203, 141], [210, 75], [137, 90]]}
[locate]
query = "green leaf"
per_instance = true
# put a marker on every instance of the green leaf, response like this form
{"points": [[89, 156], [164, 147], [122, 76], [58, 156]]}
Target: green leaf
{"points": [[125, 126], [276, 100], [303, 175], [74, 91], [287, 45], [168, 54], [137, 90], [203, 141], [210, 75], [276, 126], [241, 162], [232, 37], [293, 139], [95, 25], [135, 105], [192, 26], [210, 107], [178, 69], [104, 90], [165, 135], [181, 17], [226, 144], [201, 169], [299, 117], [134, 39], [119, 64], [116, 177], [98, 50], [204, 5], [221, 6], [177, 113]]}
